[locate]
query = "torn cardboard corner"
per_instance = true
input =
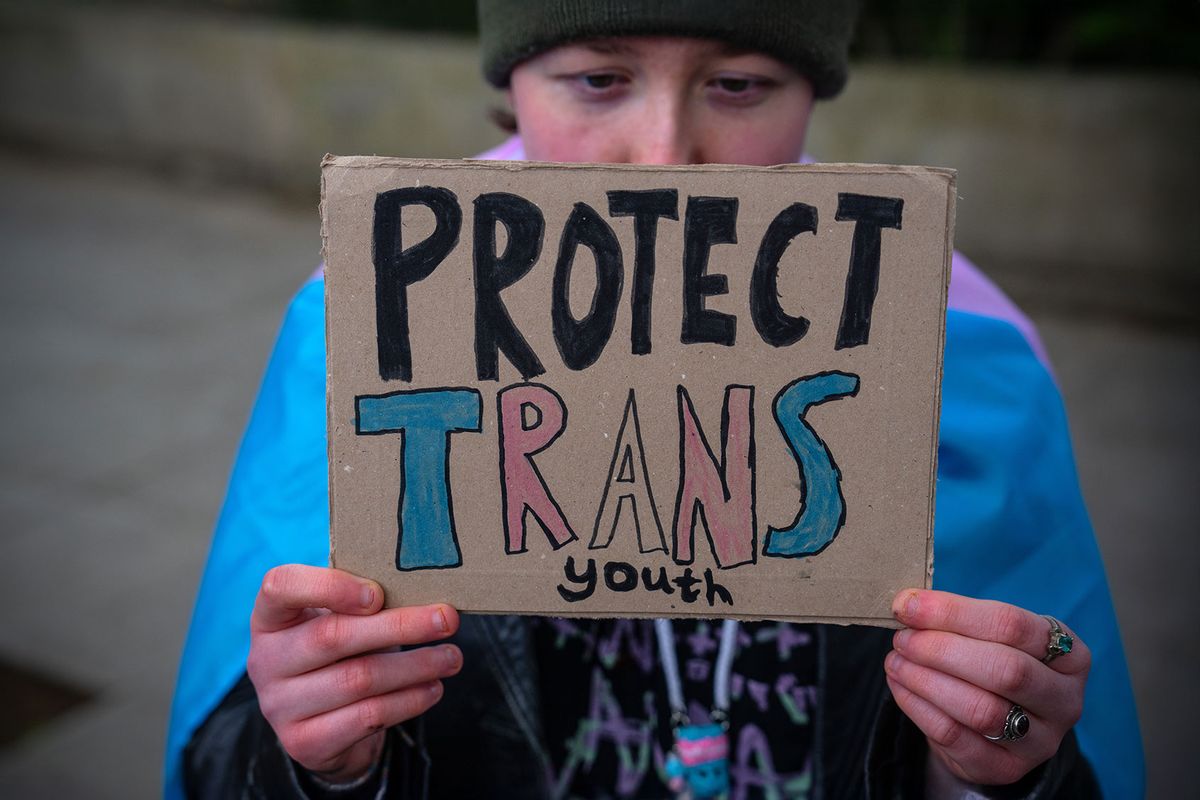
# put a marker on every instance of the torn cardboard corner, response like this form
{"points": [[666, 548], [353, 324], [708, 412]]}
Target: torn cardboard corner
{"points": [[635, 391]]}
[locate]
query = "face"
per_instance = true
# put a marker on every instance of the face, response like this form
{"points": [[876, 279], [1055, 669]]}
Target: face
{"points": [[660, 100]]}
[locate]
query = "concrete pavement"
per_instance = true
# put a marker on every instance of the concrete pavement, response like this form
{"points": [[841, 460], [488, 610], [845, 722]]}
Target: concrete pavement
{"points": [[136, 319], [137, 316]]}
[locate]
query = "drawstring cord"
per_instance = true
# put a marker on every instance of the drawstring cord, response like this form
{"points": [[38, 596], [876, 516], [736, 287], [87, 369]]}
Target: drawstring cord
{"points": [[721, 673]]}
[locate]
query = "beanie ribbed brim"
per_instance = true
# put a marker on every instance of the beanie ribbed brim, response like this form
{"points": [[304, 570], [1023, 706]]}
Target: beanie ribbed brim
{"points": [[812, 36]]}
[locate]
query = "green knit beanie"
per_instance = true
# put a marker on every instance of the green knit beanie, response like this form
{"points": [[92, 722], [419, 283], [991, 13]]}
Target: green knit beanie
{"points": [[810, 35]]}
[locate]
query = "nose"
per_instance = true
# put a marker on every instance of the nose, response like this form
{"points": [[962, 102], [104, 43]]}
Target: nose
{"points": [[662, 134]]}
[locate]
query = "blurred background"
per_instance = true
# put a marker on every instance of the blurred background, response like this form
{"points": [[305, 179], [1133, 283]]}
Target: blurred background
{"points": [[158, 186]]}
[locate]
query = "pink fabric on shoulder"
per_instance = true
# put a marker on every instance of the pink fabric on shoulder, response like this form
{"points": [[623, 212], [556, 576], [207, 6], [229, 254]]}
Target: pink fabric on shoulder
{"points": [[510, 149], [973, 292]]}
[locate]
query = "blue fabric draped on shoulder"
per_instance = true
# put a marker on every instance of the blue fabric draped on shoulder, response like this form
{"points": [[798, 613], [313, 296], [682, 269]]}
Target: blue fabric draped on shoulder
{"points": [[276, 512], [1011, 524]]}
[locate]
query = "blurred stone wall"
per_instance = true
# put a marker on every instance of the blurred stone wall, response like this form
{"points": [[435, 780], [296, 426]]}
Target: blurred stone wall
{"points": [[233, 97], [1075, 190]]}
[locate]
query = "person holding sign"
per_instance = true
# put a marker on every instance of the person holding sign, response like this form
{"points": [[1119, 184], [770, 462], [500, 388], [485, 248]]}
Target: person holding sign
{"points": [[979, 690]]}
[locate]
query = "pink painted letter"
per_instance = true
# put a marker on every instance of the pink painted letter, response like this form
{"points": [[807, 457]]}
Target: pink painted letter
{"points": [[522, 484], [721, 495]]}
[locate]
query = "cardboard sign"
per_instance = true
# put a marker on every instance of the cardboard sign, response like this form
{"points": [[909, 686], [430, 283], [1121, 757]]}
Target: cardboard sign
{"points": [[635, 391]]}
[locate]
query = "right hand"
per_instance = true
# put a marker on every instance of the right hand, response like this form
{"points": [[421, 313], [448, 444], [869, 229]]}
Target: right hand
{"points": [[317, 637]]}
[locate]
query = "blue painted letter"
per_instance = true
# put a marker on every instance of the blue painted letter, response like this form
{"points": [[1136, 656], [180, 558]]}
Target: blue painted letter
{"points": [[822, 507], [426, 538]]}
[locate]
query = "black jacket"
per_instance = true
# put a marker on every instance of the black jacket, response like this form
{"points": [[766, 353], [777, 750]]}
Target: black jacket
{"points": [[484, 738]]}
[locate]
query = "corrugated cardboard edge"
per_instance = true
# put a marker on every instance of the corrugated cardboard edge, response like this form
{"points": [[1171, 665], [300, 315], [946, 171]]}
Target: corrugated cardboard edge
{"points": [[327, 161], [951, 204], [877, 622], [949, 176], [367, 162]]}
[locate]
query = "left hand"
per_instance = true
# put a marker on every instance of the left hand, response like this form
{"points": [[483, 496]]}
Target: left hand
{"points": [[963, 663]]}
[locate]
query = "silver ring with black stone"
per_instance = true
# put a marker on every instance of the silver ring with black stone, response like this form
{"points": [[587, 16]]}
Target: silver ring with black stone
{"points": [[1016, 726]]}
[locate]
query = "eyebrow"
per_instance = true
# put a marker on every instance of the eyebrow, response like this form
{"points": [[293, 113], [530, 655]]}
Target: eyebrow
{"points": [[732, 50], [615, 46], [608, 47]]}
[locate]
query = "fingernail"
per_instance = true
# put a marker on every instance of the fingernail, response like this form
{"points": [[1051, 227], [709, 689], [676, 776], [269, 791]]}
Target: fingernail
{"points": [[368, 595], [902, 637], [435, 688], [439, 620], [906, 605], [889, 663], [451, 656]]}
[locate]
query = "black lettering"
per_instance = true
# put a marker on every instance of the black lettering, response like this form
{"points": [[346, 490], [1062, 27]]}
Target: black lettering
{"points": [[494, 272], [687, 586], [581, 341], [714, 590], [645, 207], [660, 584], [628, 578], [707, 221], [870, 215], [588, 578], [775, 326], [397, 268]]}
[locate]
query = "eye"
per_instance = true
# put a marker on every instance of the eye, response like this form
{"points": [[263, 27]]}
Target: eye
{"points": [[734, 85], [739, 90], [601, 80], [597, 84]]}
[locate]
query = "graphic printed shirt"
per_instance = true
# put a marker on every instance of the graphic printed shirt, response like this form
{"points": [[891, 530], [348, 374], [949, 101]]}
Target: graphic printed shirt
{"points": [[607, 718]]}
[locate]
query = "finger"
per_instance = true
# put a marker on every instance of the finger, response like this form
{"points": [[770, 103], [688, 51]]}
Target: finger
{"points": [[354, 679], [288, 591], [997, 668], [979, 712], [988, 620], [316, 741], [978, 709], [329, 638], [970, 756]]}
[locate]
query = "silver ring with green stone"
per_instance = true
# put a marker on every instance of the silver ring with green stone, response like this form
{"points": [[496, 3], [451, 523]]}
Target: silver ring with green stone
{"points": [[1060, 642], [1016, 726]]}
